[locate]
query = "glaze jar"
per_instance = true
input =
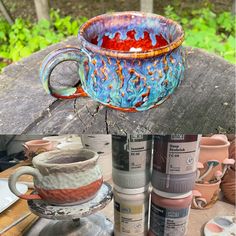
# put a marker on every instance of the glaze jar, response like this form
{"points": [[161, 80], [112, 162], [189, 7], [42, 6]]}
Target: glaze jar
{"points": [[175, 159], [131, 211], [169, 213], [131, 158]]}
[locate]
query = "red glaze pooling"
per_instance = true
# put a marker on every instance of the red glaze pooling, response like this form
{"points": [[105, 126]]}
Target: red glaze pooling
{"points": [[125, 45]]}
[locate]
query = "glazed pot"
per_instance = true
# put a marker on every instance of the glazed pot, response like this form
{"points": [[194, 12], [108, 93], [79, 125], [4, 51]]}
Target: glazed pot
{"points": [[205, 195], [62, 177], [130, 61], [34, 147], [213, 158]]}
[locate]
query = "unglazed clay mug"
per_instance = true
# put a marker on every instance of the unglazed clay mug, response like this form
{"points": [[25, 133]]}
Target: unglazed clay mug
{"points": [[213, 158], [62, 177], [130, 61], [205, 195], [34, 147]]}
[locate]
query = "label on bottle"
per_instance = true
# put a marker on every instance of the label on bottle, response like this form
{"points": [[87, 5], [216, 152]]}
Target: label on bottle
{"points": [[130, 219], [131, 152], [176, 154], [167, 221]]}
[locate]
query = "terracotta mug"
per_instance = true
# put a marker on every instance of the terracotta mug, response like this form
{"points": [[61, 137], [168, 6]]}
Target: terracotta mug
{"points": [[130, 61], [213, 158], [205, 195], [62, 177], [34, 147]]}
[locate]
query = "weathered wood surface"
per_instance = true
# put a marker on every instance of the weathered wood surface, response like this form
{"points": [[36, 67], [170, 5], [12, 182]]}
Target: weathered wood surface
{"points": [[204, 103]]}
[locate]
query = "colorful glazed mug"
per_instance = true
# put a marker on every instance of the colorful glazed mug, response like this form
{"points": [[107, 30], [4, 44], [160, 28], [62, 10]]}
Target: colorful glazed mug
{"points": [[62, 177], [130, 61], [34, 147]]}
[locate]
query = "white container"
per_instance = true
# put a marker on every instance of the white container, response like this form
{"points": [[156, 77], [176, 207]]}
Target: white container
{"points": [[131, 211], [100, 143], [131, 159]]}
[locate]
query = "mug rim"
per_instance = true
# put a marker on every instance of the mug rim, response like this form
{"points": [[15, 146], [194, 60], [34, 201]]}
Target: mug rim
{"points": [[38, 160], [40, 142], [208, 184], [127, 55], [223, 145]]}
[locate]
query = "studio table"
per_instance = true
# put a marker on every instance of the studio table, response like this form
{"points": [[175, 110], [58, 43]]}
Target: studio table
{"points": [[204, 102], [197, 220]]}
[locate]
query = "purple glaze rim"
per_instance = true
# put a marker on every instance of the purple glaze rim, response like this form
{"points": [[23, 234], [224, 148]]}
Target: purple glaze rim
{"points": [[127, 55]]}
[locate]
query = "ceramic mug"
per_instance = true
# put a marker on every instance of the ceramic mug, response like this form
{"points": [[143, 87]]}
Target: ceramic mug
{"points": [[34, 147], [130, 61], [213, 158], [205, 195], [62, 177]]}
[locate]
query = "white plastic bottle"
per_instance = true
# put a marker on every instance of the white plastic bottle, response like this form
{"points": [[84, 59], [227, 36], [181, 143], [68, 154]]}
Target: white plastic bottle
{"points": [[131, 208]]}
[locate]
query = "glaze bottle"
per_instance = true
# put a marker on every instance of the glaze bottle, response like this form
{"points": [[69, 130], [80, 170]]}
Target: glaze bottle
{"points": [[175, 159], [131, 159]]}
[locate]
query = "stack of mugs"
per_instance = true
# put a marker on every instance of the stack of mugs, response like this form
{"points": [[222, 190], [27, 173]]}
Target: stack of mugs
{"points": [[175, 159]]}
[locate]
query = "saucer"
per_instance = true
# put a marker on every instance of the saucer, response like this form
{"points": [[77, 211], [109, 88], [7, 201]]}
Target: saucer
{"points": [[49, 211]]}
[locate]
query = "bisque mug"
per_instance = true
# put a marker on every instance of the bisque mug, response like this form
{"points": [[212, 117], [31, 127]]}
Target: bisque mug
{"points": [[34, 147], [214, 158], [130, 61], [205, 195], [62, 177]]}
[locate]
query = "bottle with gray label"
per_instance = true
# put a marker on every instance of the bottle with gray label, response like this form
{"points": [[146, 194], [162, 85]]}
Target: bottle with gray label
{"points": [[175, 160], [131, 159]]}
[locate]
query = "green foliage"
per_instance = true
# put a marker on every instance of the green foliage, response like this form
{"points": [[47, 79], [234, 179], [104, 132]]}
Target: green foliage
{"points": [[23, 37], [205, 29]]}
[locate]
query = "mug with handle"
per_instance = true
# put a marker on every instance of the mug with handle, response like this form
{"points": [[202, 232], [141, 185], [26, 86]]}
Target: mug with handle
{"points": [[62, 177], [130, 61]]}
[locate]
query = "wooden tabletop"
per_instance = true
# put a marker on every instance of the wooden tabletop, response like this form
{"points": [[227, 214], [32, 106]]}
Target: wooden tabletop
{"points": [[204, 102], [17, 210]]}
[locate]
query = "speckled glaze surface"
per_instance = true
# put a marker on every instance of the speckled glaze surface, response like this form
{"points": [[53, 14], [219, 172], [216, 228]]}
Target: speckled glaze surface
{"points": [[134, 79], [62, 177]]}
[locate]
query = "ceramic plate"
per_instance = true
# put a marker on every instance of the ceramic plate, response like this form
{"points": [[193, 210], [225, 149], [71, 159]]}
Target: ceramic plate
{"points": [[7, 198], [221, 225]]}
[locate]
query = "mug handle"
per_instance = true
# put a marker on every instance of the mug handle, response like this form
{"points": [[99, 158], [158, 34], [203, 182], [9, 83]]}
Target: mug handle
{"points": [[24, 170], [51, 61]]}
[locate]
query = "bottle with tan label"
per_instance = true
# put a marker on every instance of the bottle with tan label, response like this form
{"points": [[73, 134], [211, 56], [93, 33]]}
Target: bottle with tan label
{"points": [[175, 160], [131, 211]]}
